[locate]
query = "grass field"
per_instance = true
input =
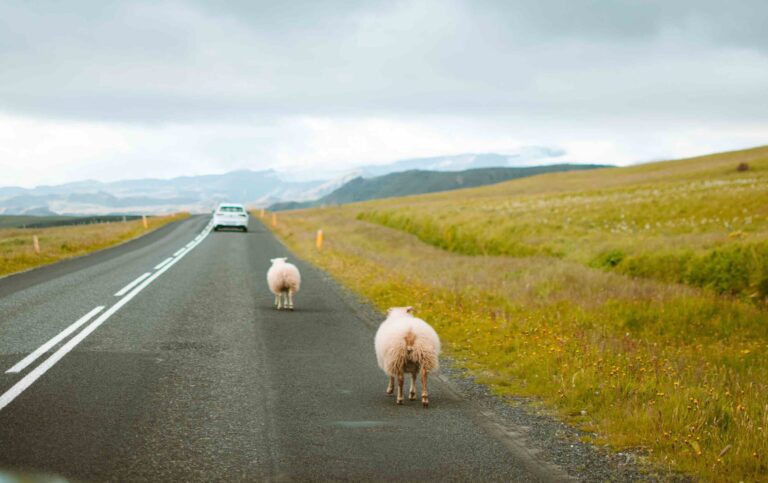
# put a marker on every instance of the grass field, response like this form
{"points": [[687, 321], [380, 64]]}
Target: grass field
{"points": [[20, 221], [45, 221], [17, 252], [631, 301]]}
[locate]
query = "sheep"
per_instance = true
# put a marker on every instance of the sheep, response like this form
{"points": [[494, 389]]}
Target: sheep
{"points": [[405, 343], [284, 280]]}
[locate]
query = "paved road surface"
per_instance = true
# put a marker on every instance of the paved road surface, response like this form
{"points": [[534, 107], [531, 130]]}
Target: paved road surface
{"points": [[192, 375]]}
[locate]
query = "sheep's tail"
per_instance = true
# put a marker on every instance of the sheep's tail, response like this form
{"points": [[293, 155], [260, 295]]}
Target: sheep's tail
{"points": [[291, 280], [426, 357], [411, 349]]}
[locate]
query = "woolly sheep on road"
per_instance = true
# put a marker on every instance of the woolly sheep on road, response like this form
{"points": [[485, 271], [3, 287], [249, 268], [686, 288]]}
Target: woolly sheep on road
{"points": [[284, 280], [407, 344]]}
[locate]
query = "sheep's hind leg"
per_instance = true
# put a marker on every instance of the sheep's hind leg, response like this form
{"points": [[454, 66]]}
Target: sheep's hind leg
{"points": [[290, 299], [424, 394], [277, 301], [400, 379], [412, 392], [391, 385]]}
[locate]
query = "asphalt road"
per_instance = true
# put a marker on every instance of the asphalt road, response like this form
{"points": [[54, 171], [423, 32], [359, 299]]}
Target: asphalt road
{"points": [[192, 375]]}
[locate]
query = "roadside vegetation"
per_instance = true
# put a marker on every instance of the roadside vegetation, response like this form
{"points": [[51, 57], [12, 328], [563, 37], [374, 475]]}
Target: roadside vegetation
{"points": [[631, 300], [49, 221], [17, 251]]}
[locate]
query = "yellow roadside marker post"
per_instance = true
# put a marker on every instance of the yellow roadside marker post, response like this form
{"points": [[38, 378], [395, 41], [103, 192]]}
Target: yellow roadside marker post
{"points": [[36, 244], [319, 240]]}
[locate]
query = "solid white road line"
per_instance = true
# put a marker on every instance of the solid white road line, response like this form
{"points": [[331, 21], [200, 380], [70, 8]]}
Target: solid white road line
{"points": [[47, 346], [177, 253], [8, 396], [128, 287], [163, 263]]}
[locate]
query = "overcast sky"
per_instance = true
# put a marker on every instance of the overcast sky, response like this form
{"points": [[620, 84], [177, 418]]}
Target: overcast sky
{"points": [[114, 90]]}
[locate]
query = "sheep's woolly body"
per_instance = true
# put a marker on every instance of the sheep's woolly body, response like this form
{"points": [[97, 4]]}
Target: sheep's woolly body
{"points": [[283, 277], [399, 332], [284, 280]]}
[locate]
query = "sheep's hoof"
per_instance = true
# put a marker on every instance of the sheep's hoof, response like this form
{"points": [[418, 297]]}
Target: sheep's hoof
{"points": [[412, 397], [390, 392], [425, 402], [399, 402]]}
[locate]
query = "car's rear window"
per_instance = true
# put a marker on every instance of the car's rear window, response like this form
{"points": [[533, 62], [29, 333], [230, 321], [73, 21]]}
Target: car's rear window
{"points": [[231, 209]]}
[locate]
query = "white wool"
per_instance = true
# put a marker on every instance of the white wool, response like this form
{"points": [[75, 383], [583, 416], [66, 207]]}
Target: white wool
{"points": [[390, 342], [283, 276]]}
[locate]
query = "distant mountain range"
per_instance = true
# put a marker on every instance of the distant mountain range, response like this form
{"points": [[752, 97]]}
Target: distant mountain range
{"points": [[525, 156], [418, 182], [256, 188], [191, 193]]}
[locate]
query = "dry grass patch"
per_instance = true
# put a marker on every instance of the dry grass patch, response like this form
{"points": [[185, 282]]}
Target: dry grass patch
{"points": [[17, 252]]}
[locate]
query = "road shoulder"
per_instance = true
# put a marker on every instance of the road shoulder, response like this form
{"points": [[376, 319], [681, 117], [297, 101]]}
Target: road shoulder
{"points": [[551, 448]]}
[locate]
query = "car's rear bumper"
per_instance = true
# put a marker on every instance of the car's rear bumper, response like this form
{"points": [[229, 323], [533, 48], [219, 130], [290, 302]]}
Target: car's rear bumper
{"points": [[228, 222]]}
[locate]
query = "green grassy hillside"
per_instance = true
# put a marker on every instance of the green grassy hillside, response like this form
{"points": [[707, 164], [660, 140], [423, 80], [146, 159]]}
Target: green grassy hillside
{"points": [[419, 182], [699, 222], [630, 300]]}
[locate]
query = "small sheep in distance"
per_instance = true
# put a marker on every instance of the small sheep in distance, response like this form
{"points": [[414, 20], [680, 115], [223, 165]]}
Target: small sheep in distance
{"points": [[284, 280], [405, 343]]}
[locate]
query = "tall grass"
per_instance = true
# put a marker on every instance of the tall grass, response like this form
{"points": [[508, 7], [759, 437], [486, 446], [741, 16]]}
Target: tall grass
{"points": [[707, 232], [17, 252], [676, 371], [733, 269]]}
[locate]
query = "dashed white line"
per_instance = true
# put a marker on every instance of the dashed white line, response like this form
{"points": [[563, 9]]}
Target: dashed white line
{"points": [[163, 263], [8, 396], [177, 252], [128, 287], [58, 338]]}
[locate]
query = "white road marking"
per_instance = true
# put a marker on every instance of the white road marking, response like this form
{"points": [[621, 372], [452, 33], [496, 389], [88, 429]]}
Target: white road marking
{"points": [[177, 253], [128, 287], [8, 396], [58, 338], [163, 263]]}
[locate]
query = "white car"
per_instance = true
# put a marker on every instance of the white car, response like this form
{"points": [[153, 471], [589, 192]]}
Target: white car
{"points": [[230, 215]]}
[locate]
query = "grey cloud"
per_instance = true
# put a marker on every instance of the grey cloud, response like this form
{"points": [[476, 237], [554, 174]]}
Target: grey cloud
{"points": [[718, 20], [202, 60]]}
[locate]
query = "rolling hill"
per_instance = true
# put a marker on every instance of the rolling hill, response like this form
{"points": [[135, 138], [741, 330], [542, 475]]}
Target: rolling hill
{"points": [[419, 181]]}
